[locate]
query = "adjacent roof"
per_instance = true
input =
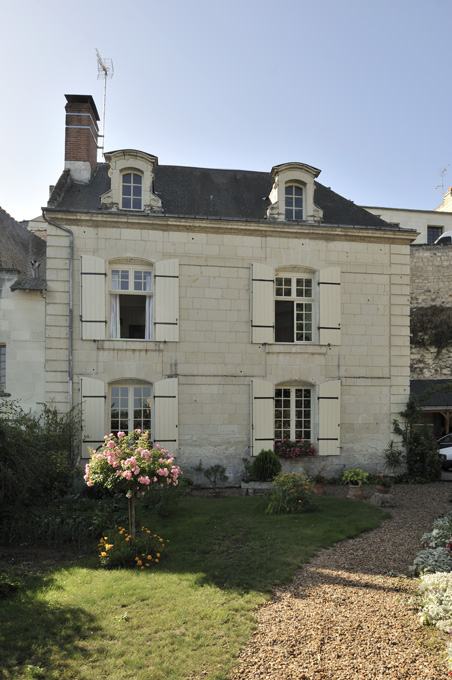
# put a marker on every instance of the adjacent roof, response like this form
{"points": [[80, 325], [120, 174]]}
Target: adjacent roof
{"points": [[20, 249], [432, 393], [213, 194]]}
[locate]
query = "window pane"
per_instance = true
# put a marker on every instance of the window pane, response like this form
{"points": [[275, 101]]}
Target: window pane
{"points": [[126, 190], [137, 179], [127, 178], [126, 203], [284, 321], [136, 203]]}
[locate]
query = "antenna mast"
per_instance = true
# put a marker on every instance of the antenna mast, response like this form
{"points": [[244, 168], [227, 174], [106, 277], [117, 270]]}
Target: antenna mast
{"points": [[443, 172], [105, 70]]}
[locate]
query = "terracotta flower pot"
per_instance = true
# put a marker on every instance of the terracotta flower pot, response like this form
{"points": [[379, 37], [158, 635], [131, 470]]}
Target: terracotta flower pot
{"points": [[383, 489], [354, 492], [319, 489]]}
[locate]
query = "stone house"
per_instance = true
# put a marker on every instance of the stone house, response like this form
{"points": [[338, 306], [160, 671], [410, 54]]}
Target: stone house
{"points": [[22, 313], [222, 309]]}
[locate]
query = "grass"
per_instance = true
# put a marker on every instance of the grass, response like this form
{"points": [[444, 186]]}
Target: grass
{"points": [[189, 615]]}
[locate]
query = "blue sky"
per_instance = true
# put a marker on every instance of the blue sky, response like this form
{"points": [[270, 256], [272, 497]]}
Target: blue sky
{"points": [[359, 89]]}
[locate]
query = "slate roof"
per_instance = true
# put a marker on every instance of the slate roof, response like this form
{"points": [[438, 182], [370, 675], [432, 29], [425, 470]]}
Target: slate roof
{"points": [[438, 392], [19, 247], [215, 194]]}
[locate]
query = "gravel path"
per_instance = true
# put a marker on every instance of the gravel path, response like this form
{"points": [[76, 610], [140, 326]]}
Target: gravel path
{"points": [[348, 612]]}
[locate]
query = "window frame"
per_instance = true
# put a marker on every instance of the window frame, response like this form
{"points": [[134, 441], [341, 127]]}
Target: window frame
{"points": [[294, 193], [129, 291], [433, 233], [134, 173], [294, 432], [130, 393], [304, 305]]}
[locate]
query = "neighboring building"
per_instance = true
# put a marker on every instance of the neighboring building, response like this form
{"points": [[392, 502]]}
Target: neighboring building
{"points": [[22, 313], [222, 309], [429, 223]]}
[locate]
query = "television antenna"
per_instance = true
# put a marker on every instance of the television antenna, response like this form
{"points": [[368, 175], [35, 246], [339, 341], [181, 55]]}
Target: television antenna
{"points": [[441, 184], [105, 70]]}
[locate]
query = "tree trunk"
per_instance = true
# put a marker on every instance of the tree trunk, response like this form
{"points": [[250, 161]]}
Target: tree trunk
{"points": [[132, 529]]}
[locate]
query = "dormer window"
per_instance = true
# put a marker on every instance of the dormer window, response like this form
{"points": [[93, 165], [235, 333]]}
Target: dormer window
{"points": [[292, 194], [132, 180], [293, 202], [132, 191]]}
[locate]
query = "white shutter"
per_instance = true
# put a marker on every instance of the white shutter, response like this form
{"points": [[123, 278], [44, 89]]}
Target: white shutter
{"points": [[330, 306], [330, 418], [262, 415], [92, 298], [166, 312], [165, 414], [262, 303], [93, 411]]}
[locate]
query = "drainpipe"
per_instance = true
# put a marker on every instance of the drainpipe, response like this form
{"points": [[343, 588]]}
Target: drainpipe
{"points": [[71, 267]]}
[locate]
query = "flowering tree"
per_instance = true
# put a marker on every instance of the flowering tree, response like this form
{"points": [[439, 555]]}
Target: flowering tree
{"points": [[131, 464]]}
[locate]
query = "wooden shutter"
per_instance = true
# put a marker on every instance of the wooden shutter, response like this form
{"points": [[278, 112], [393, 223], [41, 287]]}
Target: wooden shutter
{"points": [[262, 415], [93, 400], [165, 414], [92, 298], [166, 312], [262, 303], [330, 306], [330, 418]]}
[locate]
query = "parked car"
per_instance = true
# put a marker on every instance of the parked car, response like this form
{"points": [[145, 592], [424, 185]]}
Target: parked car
{"points": [[445, 239], [445, 451]]}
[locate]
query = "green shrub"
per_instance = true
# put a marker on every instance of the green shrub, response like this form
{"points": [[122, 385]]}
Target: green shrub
{"points": [[265, 466], [37, 453], [216, 474], [291, 493], [421, 450]]}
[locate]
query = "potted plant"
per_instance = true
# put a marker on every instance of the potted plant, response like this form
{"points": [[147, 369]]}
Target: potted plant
{"points": [[383, 484], [354, 479], [319, 480]]}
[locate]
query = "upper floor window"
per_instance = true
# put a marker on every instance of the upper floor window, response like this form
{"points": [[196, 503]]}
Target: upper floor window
{"points": [[433, 233], [131, 300], [294, 308], [132, 191], [293, 202]]}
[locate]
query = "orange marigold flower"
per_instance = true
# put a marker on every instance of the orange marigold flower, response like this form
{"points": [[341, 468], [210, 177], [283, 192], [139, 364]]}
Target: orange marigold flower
{"points": [[103, 554], [155, 560], [158, 554], [149, 557], [143, 568], [140, 563]]}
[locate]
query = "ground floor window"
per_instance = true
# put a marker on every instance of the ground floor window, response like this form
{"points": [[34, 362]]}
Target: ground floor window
{"points": [[130, 408], [2, 366], [293, 413]]}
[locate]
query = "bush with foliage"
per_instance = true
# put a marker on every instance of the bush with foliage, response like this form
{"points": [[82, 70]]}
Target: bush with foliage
{"points": [[291, 493], [421, 450], [216, 474], [37, 453], [435, 592], [295, 448], [265, 466], [116, 549], [77, 520], [354, 477]]}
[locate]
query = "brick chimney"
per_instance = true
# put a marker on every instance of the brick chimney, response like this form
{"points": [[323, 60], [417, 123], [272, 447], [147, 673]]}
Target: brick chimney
{"points": [[81, 137]]}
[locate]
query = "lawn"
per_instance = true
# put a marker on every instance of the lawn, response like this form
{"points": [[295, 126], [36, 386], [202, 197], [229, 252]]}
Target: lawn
{"points": [[188, 615]]}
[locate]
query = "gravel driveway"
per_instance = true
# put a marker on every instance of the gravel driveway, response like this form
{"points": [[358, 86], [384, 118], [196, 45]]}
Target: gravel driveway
{"points": [[348, 612]]}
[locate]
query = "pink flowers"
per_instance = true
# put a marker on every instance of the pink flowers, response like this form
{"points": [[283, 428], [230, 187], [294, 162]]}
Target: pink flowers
{"points": [[130, 463]]}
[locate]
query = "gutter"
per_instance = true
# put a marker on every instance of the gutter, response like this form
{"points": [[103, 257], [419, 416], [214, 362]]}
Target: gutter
{"points": [[71, 312]]}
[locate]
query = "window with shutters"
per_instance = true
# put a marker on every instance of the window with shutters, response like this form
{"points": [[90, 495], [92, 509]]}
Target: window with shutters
{"points": [[293, 413], [294, 308], [130, 408], [131, 303]]}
